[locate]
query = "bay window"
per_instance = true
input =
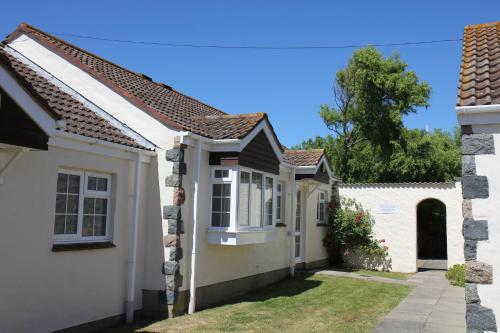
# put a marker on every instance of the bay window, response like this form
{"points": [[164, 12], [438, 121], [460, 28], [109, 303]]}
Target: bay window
{"points": [[242, 199]]}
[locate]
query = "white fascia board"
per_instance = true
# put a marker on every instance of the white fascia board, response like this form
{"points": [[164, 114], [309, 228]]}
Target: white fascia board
{"points": [[477, 109], [98, 93], [26, 102], [99, 147]]}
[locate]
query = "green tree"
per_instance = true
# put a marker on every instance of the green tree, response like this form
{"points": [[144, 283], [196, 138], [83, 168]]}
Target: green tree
{"points": [[371, 96], [369, 142]]}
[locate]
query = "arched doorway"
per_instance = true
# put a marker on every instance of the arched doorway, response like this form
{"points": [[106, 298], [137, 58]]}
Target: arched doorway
{"points": [[431, 230]]}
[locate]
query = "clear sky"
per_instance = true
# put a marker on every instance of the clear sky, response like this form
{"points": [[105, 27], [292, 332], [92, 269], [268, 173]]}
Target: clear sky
{"points": [[289, 85]]}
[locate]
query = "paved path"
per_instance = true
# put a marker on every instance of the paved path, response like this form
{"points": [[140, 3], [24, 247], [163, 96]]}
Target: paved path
{"points": [[433, 306]]}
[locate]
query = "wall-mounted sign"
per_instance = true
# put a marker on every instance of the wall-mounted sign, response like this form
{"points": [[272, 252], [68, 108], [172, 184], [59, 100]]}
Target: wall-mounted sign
{"points": [[387, 209]]}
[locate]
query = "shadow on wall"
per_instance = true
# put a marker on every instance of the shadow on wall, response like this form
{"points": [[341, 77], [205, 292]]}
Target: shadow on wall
{"points": [[357, 259]]}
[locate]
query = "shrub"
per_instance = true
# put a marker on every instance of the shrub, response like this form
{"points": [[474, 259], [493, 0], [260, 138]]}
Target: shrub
{"points": [[350, 228], [456, 275]]}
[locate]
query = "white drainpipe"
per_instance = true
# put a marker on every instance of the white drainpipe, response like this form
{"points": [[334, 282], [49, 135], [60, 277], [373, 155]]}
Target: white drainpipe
{"points": [[192, 284], [129, 305], [292, 224]]}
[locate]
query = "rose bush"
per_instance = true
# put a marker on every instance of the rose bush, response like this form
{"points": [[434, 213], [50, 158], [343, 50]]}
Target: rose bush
{"points": [[350, 229]]}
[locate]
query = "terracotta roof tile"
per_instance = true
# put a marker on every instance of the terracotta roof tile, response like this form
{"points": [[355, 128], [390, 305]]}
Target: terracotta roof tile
{"points": [[303, 157], [159, 100], [79, 119], [230, 126], [479, 82]]}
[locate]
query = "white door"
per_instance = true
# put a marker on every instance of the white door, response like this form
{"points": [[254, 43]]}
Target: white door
{"points": [[299, 248]]}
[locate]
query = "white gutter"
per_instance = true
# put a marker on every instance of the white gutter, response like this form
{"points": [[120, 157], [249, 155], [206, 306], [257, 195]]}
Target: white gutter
{"points": [[194, 247], [11, 162], [478, 109], [129, 305], [292, 224]]}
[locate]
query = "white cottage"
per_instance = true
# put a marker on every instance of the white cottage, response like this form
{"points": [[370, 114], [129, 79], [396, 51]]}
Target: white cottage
{"points": [[119, 194]]}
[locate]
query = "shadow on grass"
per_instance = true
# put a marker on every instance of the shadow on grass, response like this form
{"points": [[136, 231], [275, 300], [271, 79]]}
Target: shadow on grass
{"points": [[284, 288]]}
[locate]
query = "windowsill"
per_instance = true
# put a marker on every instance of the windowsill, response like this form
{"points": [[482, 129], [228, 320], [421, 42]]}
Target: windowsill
{"points": [[280, 224], [321, 224], [240, 237], [60, 247]]}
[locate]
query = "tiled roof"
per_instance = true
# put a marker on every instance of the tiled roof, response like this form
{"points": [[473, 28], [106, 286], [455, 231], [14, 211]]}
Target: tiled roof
{"points": [[303, 157], [79, 119], [230, 126], [480, 70], [159, 100]]}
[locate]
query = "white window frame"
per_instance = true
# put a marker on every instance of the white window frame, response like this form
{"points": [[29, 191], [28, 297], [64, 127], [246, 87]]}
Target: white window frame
{"points": [[324, 201], [82, 194], [281, 195], [234, 179], [226, 180]]}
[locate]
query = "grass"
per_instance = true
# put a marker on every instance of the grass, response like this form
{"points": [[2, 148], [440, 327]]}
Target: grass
{"points": [[390, 275], [309, 303]]}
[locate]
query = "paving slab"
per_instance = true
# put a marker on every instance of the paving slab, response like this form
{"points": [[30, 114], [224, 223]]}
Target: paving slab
{"points": [[433, 306]]}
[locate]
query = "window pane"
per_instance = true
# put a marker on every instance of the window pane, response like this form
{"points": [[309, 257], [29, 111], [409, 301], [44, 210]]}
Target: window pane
{"points": [[101, 206], [100, 226], [62, 183], [61, 203], [59, 225], [278, 207], [102, 184], [221, 173], [269, 201], [216, 204], [88, 225], [221, 203], [74, 184], [88, 206], [225, 220], [226, 205], [216, 219], [298, 211], [217, 192], [297, 246], [256, 210], [244, 197], [92, 183], [71, 224], [72, 204]]}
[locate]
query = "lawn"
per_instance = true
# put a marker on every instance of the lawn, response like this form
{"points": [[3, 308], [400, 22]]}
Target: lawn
{"points": [[390, 275], [309, 303]]}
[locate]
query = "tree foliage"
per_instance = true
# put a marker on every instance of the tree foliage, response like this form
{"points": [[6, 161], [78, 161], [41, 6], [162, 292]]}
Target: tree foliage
{"points": [[369, 141]]}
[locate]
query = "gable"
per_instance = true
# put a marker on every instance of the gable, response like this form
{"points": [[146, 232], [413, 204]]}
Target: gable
{"points": [[17, 128], [258, 154], [321, 175]]}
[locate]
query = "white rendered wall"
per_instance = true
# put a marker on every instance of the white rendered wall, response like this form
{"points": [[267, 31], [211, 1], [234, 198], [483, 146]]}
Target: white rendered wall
{"points": [[487, 209], [41, 290], [399, 229], [314, 234]]}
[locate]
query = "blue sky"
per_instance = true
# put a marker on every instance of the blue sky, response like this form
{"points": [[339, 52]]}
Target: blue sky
{"points": [[289, 85]]}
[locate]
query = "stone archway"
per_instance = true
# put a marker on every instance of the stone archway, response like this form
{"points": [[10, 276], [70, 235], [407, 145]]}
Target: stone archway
{"points": [[431, 230]]}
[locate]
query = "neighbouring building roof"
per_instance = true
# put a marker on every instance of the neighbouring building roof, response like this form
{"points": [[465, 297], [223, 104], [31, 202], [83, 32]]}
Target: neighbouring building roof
{"points": [[479, 82], [303, 157], [168, 106], [78, 118]]}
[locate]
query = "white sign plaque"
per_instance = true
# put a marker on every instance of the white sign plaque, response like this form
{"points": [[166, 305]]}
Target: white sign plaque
{"points": [[387, 209]]}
